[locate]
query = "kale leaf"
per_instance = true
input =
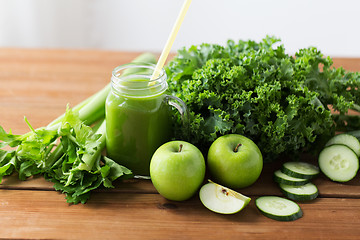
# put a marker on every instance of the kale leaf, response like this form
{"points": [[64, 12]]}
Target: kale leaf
{"points": [[256, 89]]}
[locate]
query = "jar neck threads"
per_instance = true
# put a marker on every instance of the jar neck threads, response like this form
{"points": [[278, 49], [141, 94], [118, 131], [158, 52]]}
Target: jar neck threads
{"points": [[134, 80]]}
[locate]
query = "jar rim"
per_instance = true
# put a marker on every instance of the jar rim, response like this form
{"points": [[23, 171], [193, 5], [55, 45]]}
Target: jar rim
{"points": [[137, 83], [133, 65]]}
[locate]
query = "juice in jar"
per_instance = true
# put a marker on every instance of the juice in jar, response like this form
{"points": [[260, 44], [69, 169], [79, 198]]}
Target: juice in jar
{"points": [[135, 128], [138, 119]]}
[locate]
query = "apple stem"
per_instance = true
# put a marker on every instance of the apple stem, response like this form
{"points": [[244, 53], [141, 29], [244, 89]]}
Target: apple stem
{"points": [[180, 147], [237, 147]]}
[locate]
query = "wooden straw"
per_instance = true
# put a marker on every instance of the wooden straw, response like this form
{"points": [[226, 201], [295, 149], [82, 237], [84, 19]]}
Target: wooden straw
{"points": [[171, 39]]}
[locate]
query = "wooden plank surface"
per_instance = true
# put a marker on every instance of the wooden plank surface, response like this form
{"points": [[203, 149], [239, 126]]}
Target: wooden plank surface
{"points": [[39, 83], [38, 214]]}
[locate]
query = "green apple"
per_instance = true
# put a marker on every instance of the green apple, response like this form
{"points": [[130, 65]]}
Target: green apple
{"points": [[234, 161], [177, 170], [221, 199]]}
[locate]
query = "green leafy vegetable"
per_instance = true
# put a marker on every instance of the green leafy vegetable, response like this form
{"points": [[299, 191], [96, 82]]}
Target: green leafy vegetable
{"points": [[67, 152], [256, 89], [76, 166], [81, 168]]}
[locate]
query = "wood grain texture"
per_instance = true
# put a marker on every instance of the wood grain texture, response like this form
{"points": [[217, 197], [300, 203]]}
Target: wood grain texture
{"points": [[38, 83], [39, 214]]}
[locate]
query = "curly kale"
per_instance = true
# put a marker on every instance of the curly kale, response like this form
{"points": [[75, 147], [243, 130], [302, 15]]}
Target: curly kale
{"points": [[279, 101]]}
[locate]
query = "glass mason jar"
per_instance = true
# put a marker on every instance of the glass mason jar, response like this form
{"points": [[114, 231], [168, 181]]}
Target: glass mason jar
{"points": [[138, 116]]}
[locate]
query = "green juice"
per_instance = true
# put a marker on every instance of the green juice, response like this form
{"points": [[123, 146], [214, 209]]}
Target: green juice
{"points": [[135, 127]]}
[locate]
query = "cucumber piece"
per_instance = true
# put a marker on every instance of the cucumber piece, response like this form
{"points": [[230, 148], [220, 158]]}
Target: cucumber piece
{"points": [[355, 133], [339, 163], [347, 140], [281, 177], [278, 208], [306, 192], [300, 170]]}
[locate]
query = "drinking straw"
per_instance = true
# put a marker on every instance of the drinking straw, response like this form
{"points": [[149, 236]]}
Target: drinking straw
{"points": [[171, 39]]}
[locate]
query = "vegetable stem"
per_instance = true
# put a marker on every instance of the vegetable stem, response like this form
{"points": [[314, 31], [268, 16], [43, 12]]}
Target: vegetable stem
{"points": [[54, 156], [90, 158], [90, 110]]}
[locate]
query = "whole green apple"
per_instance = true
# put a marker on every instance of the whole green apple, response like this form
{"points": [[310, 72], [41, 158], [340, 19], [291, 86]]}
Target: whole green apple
{"points": [[177, 170], [234, 161]]}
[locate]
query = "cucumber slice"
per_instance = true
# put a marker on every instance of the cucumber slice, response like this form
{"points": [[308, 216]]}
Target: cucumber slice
{"points": [[278, 208], [347, 140], [300, 170], [306, 192], [355, 133], [281, 177], [339, 163]]}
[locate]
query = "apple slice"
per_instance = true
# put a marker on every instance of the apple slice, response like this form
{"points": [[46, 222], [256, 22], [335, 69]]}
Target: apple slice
{"points": [[221, 199]]}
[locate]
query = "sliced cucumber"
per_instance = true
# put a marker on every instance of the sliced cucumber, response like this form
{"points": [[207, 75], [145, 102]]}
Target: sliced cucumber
{"points": [[347, 140], [300, 193], [278, 208], [300, 170], [281, 177], [339, 163], [355, 133]]}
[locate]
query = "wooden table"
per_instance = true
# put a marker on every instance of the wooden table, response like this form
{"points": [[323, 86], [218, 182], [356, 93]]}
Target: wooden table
{"points": [[39, 83]]}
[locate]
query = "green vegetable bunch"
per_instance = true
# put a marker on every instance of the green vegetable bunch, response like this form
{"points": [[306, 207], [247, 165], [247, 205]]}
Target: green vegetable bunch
{"points": [[256, 89], [75, 165]]}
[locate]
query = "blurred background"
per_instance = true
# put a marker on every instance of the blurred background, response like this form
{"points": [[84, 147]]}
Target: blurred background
{"points": [[144, 25]]}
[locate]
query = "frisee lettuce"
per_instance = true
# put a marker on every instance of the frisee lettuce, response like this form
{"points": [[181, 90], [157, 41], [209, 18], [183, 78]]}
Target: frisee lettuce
{"points": [[256, 89]]}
